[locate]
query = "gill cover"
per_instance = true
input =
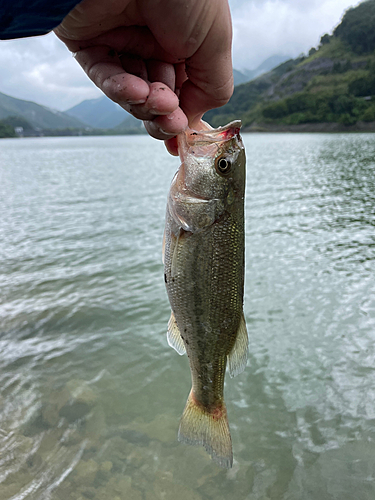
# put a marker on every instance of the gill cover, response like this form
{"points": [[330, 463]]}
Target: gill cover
{"points": [[199, 190]]}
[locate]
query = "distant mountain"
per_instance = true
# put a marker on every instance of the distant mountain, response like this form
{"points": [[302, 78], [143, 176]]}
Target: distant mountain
{"points": [[91, 117], [333, 88], [40, 117], [271, 63], [130, 125], [102, 113], [249, 74], [105, 114], [239, 77]]}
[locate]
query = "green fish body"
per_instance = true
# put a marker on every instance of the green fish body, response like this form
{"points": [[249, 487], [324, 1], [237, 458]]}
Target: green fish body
{"points": [[204, 275]]}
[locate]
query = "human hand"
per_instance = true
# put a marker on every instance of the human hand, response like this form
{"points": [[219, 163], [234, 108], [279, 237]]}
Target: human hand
{"points": [[165, 62]]}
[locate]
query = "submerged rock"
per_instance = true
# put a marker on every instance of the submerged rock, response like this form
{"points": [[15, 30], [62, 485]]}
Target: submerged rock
{"points": [[163, 428], [23, 444], [95, 425], [81, 399], [9, 490], [119, 487], [81, 392], [50, 409], [72, 402], [50, 415], [85, 472], [106, 466], [164, 487], [74, 411], [104, 472]]}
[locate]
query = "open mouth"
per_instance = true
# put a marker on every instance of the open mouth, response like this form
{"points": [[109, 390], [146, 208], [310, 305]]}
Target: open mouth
{"points": [[221, 134]]}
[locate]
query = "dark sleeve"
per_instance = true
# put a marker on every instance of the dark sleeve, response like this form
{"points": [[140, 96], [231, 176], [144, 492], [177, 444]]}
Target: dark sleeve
{"points": [[22, 18]]}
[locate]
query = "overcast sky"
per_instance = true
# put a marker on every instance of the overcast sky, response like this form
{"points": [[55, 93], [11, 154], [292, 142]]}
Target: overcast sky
{"points": [[42, 70]]}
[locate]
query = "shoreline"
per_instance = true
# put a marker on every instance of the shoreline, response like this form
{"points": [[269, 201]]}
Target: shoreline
{"points": [[311, 127]]}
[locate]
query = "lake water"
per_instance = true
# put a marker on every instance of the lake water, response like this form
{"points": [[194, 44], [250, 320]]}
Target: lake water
{"points": [[91, 393]]}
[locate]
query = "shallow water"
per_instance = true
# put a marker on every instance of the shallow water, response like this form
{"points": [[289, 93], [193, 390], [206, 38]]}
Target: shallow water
{"points": [[90, 392]]}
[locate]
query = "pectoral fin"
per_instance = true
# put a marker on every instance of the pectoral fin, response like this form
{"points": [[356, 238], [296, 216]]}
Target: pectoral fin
{"points": [[237, 358], [174, 336]]}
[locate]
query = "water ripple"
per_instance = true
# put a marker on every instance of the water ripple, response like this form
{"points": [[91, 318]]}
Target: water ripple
{"points": [[91, 394]]}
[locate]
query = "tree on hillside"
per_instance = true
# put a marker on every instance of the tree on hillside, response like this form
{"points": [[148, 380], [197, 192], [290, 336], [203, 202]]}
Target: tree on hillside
{"points": [[6, 130], [17, 121], [364, 86], [357, 27], [325, 39]]}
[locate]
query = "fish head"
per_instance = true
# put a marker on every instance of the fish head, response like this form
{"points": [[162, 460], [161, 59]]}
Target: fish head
{"points": [[211, 178], [213, 161]]}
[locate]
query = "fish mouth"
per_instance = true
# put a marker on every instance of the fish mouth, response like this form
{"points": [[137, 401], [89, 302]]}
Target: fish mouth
{"points": [[209, 141], [210, 135]]}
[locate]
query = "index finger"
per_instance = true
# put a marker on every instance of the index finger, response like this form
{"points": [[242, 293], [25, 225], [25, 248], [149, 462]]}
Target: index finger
{"points": [[209, 70]]}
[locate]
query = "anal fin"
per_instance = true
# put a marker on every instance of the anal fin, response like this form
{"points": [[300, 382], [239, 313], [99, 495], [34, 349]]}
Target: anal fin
{"points": [[174, 336], [237, 358]]}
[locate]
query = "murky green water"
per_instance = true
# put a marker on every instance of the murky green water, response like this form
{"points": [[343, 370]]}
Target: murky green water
{"points": [[90, 392]]}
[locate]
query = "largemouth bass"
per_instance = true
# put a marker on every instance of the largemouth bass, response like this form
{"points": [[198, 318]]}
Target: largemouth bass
{"points": [[204, 275]]}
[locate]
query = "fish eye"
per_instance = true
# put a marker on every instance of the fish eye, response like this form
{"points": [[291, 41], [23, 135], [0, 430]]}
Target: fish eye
{"points": [[223, 165]]}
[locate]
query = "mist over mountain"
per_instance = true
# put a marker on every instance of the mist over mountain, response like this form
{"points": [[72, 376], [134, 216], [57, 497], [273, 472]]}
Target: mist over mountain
{"points": [[101, 113], [247, 75]]}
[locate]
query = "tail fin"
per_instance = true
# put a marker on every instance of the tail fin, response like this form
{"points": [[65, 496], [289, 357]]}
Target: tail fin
{"points": [[210, 429]]}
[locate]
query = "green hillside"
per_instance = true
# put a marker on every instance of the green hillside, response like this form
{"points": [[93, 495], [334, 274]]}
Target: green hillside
{"points": [[36, 120], [334, 84], [6, 130], [39, 117]]}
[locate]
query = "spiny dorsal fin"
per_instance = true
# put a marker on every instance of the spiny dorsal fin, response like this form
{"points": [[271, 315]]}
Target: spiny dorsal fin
{"points": [[174, 336], [237, 358]]}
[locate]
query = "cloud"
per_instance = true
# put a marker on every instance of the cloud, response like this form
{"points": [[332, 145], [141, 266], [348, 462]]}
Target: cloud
{"points": [[41, 69], [262, 28]]}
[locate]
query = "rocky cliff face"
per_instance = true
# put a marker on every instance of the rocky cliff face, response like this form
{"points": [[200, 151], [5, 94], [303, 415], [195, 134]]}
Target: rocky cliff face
{"points": [[297, 79]]}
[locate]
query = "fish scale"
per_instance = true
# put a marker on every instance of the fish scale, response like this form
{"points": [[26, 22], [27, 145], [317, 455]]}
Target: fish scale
{"points": [[204, 276]]}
